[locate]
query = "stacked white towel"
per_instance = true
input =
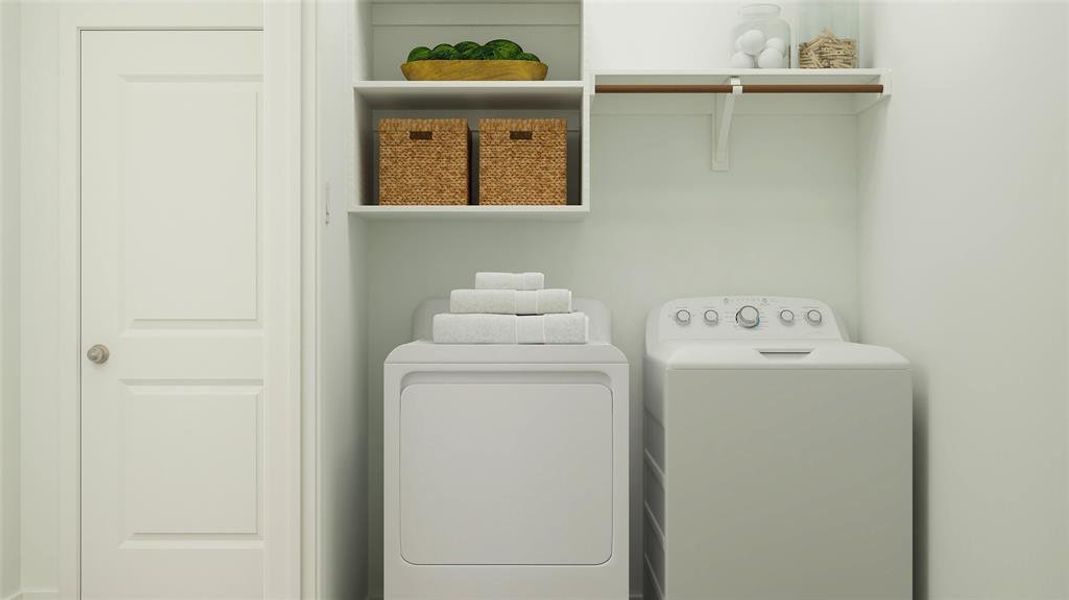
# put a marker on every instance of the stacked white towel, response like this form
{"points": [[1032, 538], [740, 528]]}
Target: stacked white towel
{"points": [[510, 308], [510, 302], [570, 328], [509, 281]]}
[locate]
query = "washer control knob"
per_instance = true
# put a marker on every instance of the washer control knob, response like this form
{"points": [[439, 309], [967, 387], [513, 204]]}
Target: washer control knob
{"points": [[683, 316], [786, 315], [748, 317], [711, 317], [814, 317]]}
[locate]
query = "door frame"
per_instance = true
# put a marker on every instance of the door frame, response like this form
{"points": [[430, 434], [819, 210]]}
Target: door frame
{"points": [[280, 22]]}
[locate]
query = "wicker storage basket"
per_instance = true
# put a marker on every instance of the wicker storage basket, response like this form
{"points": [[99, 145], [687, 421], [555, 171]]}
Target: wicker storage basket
{"points": [[423, 161], [523, 161]]}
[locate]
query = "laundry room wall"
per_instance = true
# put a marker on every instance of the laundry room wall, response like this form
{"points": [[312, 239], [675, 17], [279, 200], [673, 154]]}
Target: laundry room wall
{"points": [[39, 392], [342, 369], [963, 269], [664, 34], [10, 537], [662, 224]]}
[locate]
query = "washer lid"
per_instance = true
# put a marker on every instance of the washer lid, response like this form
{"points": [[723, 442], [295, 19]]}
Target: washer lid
{"points": [[820, 354]]}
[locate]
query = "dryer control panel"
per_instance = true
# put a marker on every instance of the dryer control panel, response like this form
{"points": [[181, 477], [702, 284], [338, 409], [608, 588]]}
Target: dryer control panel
{"points": [[743, 318]]}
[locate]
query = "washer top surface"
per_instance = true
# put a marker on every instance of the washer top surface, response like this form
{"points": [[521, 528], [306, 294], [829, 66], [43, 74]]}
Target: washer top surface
{"points": [[756, 332], [422, 351]]}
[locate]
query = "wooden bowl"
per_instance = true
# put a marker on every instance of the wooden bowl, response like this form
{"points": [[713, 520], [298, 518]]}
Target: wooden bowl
{"points": [[474, 70]]}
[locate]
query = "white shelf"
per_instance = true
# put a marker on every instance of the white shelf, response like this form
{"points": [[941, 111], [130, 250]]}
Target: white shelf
{"points": [[473, 100], [804, 101], [446, 95], [757, 91], [752, 76], [536, 213]]}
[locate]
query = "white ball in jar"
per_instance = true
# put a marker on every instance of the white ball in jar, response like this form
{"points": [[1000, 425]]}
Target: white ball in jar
{"points": [[741, 60], [777, 43], [752, 42], [770, 58]]}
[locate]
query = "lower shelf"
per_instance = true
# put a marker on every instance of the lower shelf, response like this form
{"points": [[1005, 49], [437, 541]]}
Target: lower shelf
{"points": [[543, 213]]}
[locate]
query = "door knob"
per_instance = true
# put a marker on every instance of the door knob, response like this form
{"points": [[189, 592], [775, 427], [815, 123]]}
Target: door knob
{"points": [[98, 354]]}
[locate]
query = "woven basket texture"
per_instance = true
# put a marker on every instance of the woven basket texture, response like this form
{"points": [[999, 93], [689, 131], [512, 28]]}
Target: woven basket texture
{"points": [[523, 161], [423, 161]]}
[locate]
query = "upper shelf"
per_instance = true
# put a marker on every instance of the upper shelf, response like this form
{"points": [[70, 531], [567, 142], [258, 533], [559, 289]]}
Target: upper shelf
{"points": [[498, 212], [402, 95], [830, 91], [813, 78], [848, 91]]}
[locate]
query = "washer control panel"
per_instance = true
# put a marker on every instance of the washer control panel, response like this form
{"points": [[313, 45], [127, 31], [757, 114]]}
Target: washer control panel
{"points": [[744, 318]]}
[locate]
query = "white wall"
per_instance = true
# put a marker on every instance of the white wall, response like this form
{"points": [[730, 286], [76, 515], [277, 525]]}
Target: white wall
{"points": [[10, 537], [39, 293], [963, 269], [343, 450], [782, 221], [665, 34], [662, 225]]}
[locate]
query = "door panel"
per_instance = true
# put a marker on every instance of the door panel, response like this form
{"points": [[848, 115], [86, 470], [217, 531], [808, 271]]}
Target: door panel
{"points": [[202, 180], [172, 486], [174, 424]]}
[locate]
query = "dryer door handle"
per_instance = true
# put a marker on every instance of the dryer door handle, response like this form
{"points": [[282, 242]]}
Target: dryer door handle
{"points": [[785, 352]]}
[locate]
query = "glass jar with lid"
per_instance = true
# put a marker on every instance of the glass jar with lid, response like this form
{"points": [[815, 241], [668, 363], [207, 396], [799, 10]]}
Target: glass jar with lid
{"points": [[761, 39], [828, 34]]}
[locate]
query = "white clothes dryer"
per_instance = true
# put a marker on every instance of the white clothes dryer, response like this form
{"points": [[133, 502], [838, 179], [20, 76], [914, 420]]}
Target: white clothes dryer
{"points": [[506, 468]]}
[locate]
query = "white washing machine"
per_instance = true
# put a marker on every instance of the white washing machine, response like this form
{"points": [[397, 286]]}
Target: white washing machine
{"points": [[506, 468], [778, 455]]}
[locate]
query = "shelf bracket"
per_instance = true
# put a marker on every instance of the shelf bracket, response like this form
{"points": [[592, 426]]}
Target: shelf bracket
{"points": [[863, 102], [723, 108]]}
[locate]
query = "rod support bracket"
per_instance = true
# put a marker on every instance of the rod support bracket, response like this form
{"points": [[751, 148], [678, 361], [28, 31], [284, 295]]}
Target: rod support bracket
{"points": [[721, 119]]}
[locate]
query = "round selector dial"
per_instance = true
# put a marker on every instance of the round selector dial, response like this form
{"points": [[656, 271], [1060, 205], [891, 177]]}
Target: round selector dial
{"points": [[814, 317], [683, 316], [711, 317], [748, 317], [787, 316]]}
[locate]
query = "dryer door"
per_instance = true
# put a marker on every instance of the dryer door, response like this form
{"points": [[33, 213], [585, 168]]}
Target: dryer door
{"points": [[506, 473]]}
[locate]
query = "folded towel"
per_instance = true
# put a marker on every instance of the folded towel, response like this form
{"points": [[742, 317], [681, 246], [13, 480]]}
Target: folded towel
{"points": [[509, 281], [571, 328], [510, 302]]}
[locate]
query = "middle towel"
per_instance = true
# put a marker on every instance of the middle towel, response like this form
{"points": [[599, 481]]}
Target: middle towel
{"points": [[510, 302]]}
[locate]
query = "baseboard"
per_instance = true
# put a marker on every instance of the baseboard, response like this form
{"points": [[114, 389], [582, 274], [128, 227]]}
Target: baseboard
{"points": [[50, 595], [34, 595], [634, 596]]}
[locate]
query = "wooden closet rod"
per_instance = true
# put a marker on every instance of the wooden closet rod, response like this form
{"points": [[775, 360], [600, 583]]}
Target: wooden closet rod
{"points": [[747, 88]]}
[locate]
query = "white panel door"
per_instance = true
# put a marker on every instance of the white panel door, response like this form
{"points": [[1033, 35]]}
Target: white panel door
{"points": [[179, 425]]}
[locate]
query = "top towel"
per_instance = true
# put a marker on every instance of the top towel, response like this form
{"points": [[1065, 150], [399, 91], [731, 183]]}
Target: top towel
{"points": [[509, 281]]}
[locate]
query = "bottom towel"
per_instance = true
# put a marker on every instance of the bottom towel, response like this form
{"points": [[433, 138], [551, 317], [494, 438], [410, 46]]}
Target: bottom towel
{"points": [[568, 328]]}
